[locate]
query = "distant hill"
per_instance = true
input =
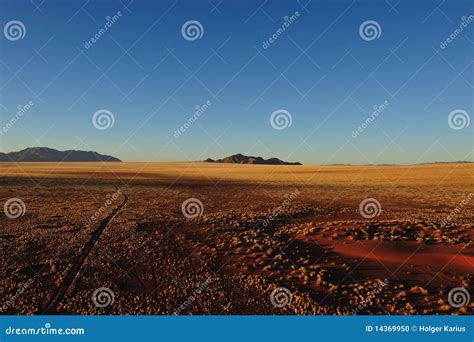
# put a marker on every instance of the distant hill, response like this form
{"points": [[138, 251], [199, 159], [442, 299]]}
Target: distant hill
{"points": [[454, 162], [381, 164], [428, 163], [242, 159], [45, 154]]}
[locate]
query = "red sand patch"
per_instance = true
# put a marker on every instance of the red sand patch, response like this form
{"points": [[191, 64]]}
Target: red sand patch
{"points": [[437, 257]]}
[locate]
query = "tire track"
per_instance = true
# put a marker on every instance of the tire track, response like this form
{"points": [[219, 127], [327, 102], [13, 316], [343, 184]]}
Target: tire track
{"points": [[74, 270]]}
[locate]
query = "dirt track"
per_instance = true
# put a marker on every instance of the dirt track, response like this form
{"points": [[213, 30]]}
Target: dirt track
{"points": [[75, 268]]}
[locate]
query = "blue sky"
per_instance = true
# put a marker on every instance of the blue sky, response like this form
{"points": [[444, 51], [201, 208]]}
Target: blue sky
{"points": [[319, 70]]}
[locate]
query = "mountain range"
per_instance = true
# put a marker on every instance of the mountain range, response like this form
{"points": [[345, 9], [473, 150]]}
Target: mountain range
{"points": [[243, 159], [45, 154]]}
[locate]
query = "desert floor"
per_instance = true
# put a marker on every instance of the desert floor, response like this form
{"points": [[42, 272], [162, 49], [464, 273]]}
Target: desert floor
{"points": [[121, 226]]}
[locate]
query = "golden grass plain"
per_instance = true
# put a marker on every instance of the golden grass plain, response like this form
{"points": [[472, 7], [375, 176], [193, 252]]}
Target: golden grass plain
{"points": [[417, 185]]}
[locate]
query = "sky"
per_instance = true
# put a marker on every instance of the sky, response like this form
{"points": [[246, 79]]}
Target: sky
{"points": [[323, 73]]}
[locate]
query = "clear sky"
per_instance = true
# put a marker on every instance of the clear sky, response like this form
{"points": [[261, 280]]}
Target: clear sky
{"points": [[319, 69]]}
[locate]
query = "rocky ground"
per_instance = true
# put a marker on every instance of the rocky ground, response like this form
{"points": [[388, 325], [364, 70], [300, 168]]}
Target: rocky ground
{"points": [[115, 247]]}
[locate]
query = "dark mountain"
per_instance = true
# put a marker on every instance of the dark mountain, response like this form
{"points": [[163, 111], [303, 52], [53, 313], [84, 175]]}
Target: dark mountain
{"points": [[45, 154], [242, 159]]}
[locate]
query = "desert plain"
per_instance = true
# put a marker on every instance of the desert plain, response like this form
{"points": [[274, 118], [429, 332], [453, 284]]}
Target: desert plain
{"points": [[212, 239]]}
